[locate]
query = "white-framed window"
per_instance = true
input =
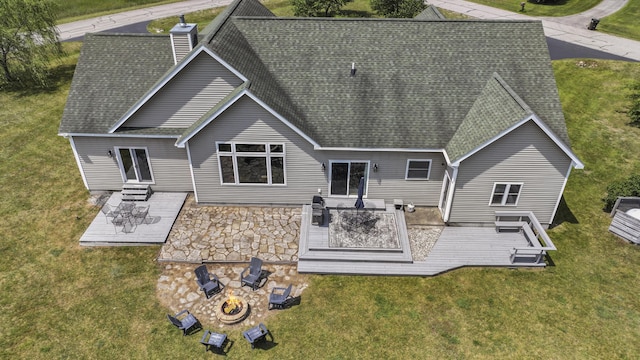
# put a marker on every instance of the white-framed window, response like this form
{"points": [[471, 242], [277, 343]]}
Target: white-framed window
{"points": [[134, 164], [251, 163], [505, 194], [418, 169]]}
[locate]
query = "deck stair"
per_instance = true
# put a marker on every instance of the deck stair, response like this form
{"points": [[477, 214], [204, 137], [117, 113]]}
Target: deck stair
{"points": [[135, 192]]}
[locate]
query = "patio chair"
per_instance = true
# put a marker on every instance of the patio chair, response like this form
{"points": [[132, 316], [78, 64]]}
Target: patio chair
{"points": [[125, 221], [207, 282], [109, 212], [140, 214], [252, 275], [187, 323], [279, 297], [256, 334], [213, 341]]}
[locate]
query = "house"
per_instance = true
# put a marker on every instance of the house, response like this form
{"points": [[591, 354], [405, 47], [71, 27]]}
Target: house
{"points": [[462, 115]]}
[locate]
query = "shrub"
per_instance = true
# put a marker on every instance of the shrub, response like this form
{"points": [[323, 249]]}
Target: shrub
{"points": [[628, 187], [634, 111]]}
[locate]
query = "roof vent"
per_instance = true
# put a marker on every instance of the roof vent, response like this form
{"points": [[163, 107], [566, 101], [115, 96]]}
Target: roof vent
{"points": [[353, 69]]}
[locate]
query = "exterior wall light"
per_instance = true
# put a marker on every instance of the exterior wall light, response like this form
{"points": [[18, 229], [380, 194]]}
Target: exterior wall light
{"points": [[324, 167], [109, 154], [375, 167]]}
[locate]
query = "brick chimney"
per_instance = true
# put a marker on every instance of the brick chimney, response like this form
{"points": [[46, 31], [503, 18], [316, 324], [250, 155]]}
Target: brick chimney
{"points": [[183, 39]]}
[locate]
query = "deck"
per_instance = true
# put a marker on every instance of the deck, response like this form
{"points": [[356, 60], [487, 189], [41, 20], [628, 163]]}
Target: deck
{"points": [[455, 248], [163, 211]]}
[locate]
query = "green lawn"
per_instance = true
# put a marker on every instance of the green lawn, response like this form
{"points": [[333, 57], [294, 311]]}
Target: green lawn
{"points": [[624, 23], [59, 300], [561, 8]]}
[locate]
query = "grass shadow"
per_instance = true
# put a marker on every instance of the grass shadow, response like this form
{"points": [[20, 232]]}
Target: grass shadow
{"points": [[563, 214], [58, 76], [550, 3]]}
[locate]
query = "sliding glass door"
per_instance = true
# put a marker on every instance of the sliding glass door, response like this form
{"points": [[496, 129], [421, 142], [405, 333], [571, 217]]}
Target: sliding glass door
{"points": [[345, 177], [134, 164]]}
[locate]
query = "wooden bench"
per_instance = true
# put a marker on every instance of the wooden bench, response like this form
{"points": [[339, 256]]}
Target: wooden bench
{"points": [[509, 225]]}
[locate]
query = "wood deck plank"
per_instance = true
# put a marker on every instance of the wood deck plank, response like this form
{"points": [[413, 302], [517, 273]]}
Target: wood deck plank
{"points": [[163, 211]]}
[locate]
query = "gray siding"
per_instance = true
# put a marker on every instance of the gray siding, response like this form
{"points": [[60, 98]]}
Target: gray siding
{"points": [[181, 45], [248, 122], [188, 96], [526, 155], [169, 164]]}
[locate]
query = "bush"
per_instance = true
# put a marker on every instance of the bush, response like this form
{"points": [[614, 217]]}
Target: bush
{"points": [[628, 187]]}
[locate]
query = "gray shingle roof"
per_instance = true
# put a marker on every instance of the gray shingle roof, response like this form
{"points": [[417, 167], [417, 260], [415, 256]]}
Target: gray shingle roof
{"points": [[113, 72], [430, 13], [415, 82], [415, 85], [496, 102]]}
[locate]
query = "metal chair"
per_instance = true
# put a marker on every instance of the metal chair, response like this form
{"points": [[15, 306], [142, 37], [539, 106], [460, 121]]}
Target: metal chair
{"points": [[140, 214], [279, 297], [109, 212], [187, 323], [128, 226], [252, 275], [208, 283], [213, 341], [256, 334]]}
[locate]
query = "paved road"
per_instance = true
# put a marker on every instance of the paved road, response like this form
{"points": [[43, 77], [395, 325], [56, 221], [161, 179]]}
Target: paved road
{"points": [[567, 36], [568, 29]]}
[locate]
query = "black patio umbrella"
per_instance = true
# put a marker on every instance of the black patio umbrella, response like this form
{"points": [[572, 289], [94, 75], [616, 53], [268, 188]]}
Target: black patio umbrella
{"points": [[359, 203]]}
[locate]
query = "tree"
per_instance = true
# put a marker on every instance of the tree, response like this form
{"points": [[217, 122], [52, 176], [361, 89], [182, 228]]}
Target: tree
{"points": [[28, 40], [313, 8], [398, 8]]}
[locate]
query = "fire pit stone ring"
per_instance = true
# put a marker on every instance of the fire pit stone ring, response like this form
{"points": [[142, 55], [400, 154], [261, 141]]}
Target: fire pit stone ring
{"points": [[235, 315]]}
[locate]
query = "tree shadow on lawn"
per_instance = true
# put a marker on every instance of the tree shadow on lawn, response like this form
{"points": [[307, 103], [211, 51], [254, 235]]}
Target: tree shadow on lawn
{"points": [[58, 76], [549, 2], [563, 214]]}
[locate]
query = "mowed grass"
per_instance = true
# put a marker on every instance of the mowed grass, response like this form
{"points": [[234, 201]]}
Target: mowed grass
{"points": [[559, 8], [624, 23], [59, 300]]}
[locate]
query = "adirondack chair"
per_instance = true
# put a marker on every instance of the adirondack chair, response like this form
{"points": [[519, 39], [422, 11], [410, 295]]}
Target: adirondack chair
{"points": [[187, 323], [252, 275], [279, 297], [207, 282], [213, 341], [256, 334]]}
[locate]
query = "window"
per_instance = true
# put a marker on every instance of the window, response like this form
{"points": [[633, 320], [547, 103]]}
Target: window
{"points": [[242, 163], [345, 177], [506, 194], [134, 165], [418, 169]]}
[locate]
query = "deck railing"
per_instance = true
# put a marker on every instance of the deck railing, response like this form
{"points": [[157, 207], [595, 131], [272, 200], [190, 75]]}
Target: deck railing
{"points": [[526, 223]]}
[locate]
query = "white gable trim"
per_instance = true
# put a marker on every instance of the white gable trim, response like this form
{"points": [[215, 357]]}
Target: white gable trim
{"points": [[207, 121], [576, 163], [77, 157], [281, 118], [181, 65], [181, 142]]}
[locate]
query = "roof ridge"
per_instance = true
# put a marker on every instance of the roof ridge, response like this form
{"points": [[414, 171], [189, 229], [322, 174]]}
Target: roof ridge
{"points": [[330, 19], [512, 93]]}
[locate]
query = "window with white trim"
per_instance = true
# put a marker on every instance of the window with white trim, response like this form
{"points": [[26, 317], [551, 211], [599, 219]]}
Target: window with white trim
{"points": [[506, 194], [418, 169], [249, 163]]}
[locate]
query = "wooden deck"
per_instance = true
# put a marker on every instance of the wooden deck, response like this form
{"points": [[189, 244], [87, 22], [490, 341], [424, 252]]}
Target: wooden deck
{"points": [[456, 247], [163, 211]]}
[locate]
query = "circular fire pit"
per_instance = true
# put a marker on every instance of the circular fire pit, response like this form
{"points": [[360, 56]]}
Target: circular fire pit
{"points": [[232, 310]]}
